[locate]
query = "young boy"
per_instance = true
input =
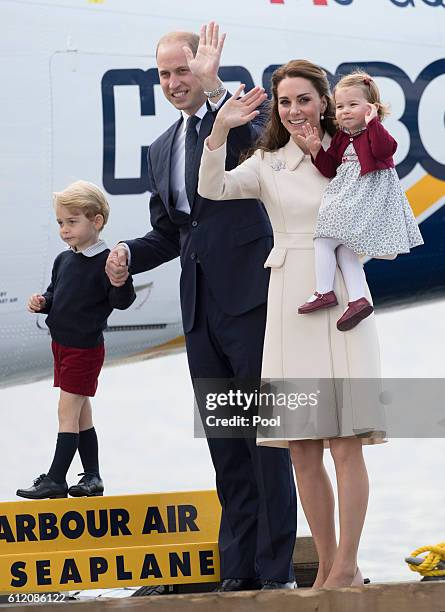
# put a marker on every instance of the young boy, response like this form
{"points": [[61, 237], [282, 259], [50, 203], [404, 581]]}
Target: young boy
{"points": [[78, 302]]}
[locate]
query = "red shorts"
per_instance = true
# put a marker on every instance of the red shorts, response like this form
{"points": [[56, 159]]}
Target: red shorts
{"points": [[76, 370]]}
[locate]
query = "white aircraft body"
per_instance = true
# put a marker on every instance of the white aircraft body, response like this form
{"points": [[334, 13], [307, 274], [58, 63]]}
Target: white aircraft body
{"points": [[80, 99]]}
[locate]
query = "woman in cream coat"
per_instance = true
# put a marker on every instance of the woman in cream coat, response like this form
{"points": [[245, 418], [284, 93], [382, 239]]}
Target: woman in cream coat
{"points": [[311, 349]]}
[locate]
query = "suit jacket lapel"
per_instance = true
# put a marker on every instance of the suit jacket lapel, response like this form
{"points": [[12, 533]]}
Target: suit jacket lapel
{"points": [[165, 159], [204, 130]]}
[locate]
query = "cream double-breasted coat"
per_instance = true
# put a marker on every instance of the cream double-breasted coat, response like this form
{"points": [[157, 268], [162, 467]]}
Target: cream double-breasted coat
{"points": [[303, 353]]}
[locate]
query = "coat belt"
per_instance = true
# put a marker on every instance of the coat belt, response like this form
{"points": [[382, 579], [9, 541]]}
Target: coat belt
{"points": [[286, 240], [283, 241]]}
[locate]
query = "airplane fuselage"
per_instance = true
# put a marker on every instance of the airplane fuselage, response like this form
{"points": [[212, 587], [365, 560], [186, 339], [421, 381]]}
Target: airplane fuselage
{"points": [[81, 99]]}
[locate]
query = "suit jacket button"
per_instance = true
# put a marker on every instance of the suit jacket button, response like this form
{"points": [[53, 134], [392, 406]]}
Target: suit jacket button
{"points": [[194, 223], [193, 256]]}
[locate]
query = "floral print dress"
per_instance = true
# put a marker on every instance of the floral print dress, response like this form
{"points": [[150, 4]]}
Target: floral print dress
{"points": [[369, 214]]}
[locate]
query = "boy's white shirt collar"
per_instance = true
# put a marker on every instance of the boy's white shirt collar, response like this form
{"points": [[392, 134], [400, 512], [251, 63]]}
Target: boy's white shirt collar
{"points": [[93, 249]]}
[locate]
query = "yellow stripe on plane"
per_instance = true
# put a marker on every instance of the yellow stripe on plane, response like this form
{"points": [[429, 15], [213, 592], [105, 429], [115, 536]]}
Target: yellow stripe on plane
{"points": [[425, 193]]}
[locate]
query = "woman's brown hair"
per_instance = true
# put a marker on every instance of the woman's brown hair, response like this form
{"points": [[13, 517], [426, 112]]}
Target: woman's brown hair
{"points": [[275, 134]]}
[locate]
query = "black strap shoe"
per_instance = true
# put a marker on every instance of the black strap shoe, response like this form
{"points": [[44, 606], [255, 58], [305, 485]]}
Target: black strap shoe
{"points": [[239, 584], [44, 487], [90, 485], [269, 585]]}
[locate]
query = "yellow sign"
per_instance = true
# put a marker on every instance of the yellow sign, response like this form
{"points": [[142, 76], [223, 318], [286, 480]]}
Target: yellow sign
{"points": [[103, 542]]}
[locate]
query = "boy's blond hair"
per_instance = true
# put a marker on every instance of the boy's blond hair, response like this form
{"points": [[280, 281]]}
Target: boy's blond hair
{"points": [[360, 78], [86, 197]]}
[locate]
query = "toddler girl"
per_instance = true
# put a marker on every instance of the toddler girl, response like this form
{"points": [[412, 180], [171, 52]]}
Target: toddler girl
{"points": [[364, 210]]}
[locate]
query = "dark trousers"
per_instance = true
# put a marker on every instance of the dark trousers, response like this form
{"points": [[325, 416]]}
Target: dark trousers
{"points": [[255, 484]]}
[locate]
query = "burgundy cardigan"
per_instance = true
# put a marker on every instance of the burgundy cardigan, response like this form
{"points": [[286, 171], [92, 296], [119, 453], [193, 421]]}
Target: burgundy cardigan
{"points": [[374, 147]]}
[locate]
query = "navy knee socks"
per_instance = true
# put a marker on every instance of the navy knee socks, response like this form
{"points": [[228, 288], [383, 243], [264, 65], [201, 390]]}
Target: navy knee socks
{"points": [[89, 451], [66, 448]]}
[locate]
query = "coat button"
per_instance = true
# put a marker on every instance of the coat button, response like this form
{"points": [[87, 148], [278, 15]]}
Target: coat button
{"points": [[351, 140], [194, 223], [193, 256]]}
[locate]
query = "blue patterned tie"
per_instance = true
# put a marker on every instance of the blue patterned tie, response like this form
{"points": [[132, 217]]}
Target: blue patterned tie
{"points": [[191, 139]]}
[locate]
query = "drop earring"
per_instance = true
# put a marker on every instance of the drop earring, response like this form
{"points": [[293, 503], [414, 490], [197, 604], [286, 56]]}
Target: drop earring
{"points": [[321, 117]]}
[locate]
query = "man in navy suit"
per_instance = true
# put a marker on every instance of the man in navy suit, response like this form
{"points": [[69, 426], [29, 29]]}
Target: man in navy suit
{"points": [[222, 246]]}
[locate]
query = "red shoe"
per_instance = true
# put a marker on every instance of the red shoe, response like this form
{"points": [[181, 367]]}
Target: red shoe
{"points": [[324, 300], [356, 312]]}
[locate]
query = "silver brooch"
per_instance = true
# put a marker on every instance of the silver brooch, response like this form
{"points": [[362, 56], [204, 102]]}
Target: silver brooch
{"points": [[278, 164]]}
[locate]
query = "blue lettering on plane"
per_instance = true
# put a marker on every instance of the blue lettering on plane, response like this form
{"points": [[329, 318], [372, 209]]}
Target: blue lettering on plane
{"points": [[405, 3], [146, 81]]}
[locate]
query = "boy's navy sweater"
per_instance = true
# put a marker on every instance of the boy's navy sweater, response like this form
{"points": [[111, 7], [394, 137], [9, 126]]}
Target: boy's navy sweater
{"points": [[80, 298]]}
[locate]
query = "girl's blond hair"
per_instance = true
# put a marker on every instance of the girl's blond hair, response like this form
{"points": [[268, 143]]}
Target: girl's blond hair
{"points": [[360, 78], [86, 197]]}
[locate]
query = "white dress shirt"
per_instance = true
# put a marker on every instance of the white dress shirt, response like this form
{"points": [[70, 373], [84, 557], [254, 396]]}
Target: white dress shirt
{"points": [[177, 177]]}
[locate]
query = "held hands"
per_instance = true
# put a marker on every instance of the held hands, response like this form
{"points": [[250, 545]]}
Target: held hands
{"points": [[310, 141], [371, 113], [204, 65], [235, 112], [116, 266], [36, 302]]}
